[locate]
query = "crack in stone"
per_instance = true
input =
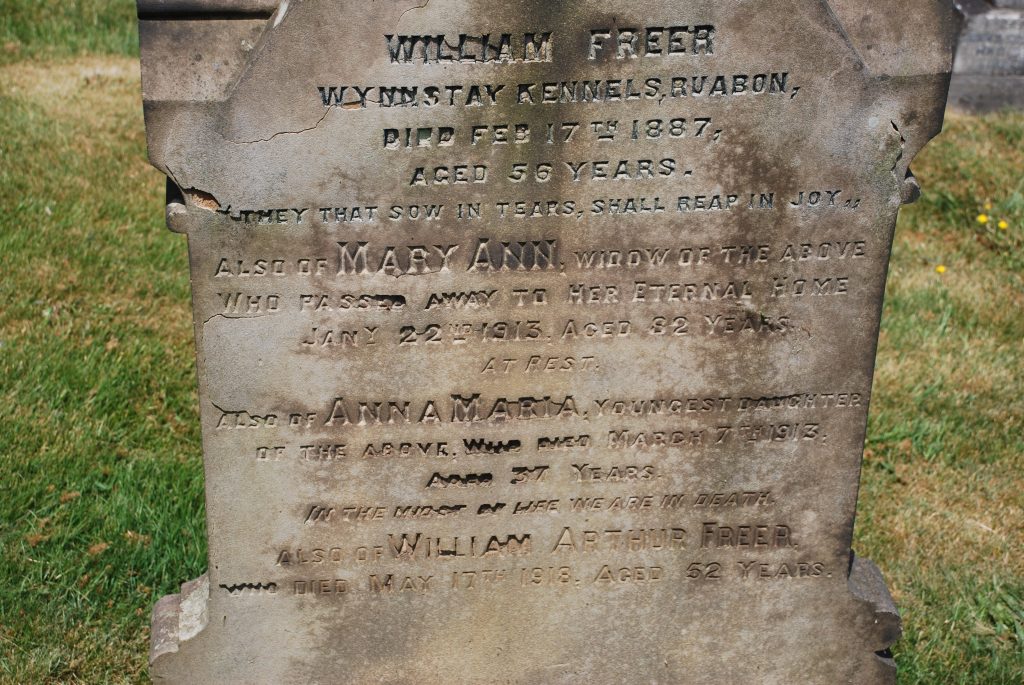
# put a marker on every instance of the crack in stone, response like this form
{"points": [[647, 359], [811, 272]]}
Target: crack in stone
{"points": [[903, 145], [281, 133], [174, 178], [221, 410], [417, 7], [234, 318]]}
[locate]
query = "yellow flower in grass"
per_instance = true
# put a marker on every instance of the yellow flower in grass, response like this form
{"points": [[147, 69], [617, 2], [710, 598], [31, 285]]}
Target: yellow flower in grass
{"points": [[1003, 225], [988, 205], [941, 269], [983, 218]]}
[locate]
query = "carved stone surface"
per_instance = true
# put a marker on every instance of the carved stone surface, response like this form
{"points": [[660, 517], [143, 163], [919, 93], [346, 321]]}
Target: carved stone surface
{"points": [[535, 339]]}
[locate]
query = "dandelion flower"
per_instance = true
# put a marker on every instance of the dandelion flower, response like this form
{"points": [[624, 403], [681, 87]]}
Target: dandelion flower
{"points": [[988, 205], [1003, 225], [941, 268], [983, 218]]}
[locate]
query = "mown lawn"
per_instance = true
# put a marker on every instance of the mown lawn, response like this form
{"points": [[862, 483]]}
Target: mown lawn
{"points": [[100, 475]]}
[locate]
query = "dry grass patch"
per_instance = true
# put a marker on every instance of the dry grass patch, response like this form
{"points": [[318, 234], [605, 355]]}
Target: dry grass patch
{"points": [[942, 506]]}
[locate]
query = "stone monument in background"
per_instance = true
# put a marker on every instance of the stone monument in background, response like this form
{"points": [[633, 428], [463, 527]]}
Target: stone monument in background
{"points": [[988, 73], [535, 339]]}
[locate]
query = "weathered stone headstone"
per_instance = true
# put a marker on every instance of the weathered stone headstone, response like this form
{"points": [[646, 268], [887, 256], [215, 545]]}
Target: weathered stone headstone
{"points": [[988, 73], [535, 339]]}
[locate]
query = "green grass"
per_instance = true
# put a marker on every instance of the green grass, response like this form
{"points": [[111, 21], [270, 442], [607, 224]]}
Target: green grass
{"points": [[100, 474], [100, 477], [33, 29]]}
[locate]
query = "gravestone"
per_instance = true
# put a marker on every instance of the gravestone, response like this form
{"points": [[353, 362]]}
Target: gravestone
{"points": [[988, 72], [535, 340]]}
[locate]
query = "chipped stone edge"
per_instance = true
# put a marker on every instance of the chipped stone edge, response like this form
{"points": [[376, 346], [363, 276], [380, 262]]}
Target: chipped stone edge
{"points": [[179, 618], [867, 585]]}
